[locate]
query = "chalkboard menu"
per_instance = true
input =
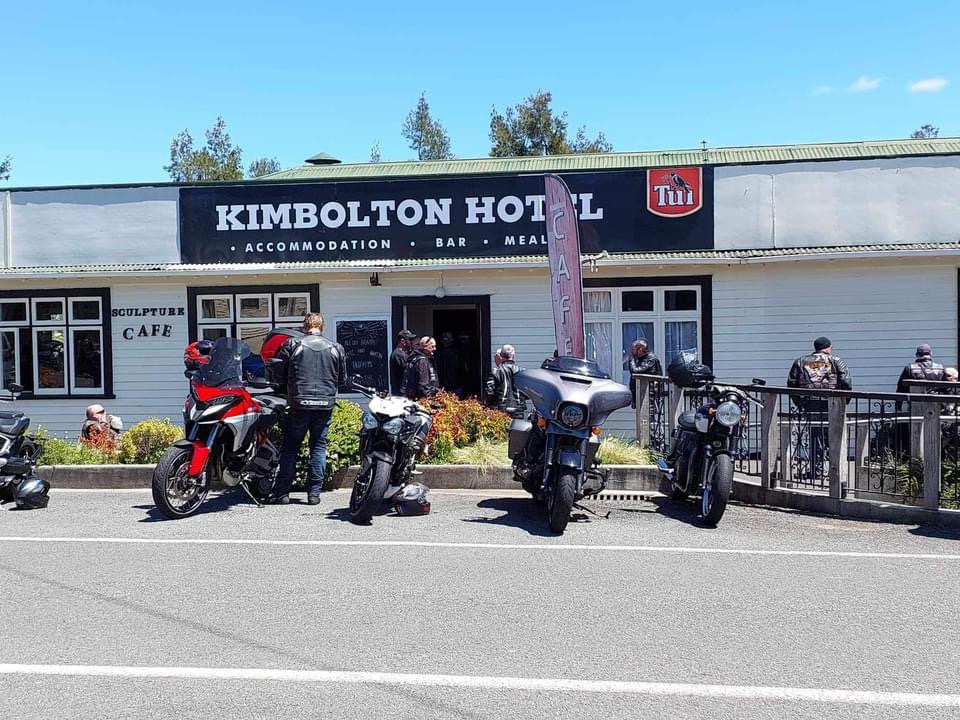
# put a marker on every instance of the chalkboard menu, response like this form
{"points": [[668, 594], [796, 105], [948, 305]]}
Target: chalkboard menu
{"points": [[365, 342]]}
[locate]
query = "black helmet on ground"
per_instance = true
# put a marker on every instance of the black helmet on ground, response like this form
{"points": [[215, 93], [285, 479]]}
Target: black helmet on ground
{"points": [[412, 500], [32, 494], [688, 372]]}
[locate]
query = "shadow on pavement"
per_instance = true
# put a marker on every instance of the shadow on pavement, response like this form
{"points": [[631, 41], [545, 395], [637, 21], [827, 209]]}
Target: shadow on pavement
{"points": [[686, 511], [519, 512], [217, 503], [935, 531]]}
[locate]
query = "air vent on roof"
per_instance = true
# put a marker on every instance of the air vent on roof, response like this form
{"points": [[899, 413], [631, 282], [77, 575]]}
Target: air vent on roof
{"points": [[322, 159]]}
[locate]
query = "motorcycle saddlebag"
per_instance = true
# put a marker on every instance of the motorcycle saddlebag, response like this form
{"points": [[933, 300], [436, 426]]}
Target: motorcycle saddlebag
{"points": [[518, 436]]}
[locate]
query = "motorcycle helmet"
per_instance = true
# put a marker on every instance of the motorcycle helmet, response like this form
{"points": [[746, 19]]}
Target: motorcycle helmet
{"points": [[687, 372], [32, 494], [197, 354], [412, 500]]}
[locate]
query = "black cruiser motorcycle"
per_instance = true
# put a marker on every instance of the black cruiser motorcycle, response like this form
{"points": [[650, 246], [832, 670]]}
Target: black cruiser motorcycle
{"points": [[18, 460], [554, 450], [700, 459]]}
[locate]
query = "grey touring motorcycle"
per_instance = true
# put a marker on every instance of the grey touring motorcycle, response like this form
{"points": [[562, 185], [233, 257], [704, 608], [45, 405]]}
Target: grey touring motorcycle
{"points": [[554, 450]]}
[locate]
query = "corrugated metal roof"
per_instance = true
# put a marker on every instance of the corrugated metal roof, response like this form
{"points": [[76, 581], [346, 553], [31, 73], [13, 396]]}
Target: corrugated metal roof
{"points": [[691, 256], [626, 160]]}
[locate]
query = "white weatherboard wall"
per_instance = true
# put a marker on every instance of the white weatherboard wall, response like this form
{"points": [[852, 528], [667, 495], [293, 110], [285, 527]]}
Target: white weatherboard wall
{"points": [[93, 226], [876, 313], [826, 204], [147, 372]]}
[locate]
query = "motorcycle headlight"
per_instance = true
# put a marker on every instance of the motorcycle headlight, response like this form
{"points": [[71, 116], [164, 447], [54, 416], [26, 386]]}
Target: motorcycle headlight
{"points": [[215, 407], [573, 416], [393, 427], [370, 422], [728, 413]]}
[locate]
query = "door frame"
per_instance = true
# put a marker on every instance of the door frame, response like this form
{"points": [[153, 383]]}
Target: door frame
{"points": [[481, 301]]}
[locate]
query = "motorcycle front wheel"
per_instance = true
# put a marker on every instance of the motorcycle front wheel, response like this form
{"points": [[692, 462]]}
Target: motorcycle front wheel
{"points": [[560, 501], [678, 490], [717, 489], [368, 491], [175, 493]]}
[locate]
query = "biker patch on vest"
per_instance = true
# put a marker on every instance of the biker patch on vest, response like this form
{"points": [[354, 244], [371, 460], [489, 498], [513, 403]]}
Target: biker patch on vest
{"points": [[818, 373]]}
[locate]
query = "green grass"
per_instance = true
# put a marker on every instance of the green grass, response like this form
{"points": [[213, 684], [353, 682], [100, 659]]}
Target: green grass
{"points": [[482, 453], [617, 451]]}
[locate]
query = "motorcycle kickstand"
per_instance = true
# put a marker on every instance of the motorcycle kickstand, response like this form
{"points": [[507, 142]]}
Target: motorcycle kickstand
{"points": [[578, 506], [250, 495]]}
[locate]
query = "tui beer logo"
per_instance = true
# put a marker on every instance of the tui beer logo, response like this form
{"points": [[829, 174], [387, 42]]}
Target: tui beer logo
{"points": [[674, 192]]}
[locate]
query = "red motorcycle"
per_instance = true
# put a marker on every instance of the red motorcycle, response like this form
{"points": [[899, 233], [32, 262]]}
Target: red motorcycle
{"points": [[232, 435]]}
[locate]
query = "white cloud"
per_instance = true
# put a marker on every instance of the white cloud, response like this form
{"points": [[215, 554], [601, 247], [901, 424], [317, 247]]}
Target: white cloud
{"points": [[930, 85], [822, 90], [864, 84]]}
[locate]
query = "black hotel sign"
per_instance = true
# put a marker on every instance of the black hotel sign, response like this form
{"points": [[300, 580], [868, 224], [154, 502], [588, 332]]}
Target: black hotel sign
{"points": [[439, 218]]}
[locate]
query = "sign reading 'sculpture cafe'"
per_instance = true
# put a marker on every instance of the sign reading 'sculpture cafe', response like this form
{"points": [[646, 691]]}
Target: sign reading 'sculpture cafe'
{"points": [[441, 218]]}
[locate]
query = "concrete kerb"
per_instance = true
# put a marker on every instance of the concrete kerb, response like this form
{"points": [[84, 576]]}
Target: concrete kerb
{"points": [[642, 478], [441, 477]]}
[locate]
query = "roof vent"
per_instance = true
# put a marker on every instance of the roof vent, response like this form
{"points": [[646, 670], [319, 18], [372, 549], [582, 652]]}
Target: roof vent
{"points": [[322, 159]]}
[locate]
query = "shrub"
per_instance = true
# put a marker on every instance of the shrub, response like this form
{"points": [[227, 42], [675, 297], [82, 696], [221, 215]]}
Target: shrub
{"points": [[483, 453], [617, 451], [103, 442], [147, 441], [63, 452], [343, 443], [458, 423]]}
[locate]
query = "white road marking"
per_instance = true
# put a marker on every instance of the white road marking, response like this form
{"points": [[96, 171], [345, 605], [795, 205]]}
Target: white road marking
{"points": [[558, 547], [821, 695]]}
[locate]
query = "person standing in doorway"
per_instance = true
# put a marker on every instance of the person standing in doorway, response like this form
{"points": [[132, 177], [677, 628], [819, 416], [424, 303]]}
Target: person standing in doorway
{"points": [[447, 362], [420, 379], [314, 370], [398, 359], [501, 391]]}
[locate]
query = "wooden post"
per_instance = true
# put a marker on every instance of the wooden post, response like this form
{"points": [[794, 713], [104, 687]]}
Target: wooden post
{"points": [[769, 435], [931, 454], [837, 437], [642, 401], [674, 407]]}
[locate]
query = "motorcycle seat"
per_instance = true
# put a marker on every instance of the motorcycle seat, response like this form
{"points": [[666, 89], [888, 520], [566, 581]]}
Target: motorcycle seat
{"points": [[688, 420], [273, 402], [13, 423]]}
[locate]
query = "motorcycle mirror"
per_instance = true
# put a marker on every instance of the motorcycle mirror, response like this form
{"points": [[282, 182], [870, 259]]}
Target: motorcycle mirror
{"points": [[759, 381], [15, 389]]}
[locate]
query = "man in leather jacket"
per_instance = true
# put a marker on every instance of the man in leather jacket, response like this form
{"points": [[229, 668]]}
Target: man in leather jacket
{"points": [[642, 362], [922, 368], [420, 379], [398, 359], [500, 390], [313, 369]]}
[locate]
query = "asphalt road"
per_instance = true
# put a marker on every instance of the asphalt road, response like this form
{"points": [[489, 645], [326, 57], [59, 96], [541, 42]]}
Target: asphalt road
{"points": [[474, 611]]}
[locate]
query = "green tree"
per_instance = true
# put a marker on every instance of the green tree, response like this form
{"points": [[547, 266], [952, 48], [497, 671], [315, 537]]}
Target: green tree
{"points": [[263, 166], [924, 132], [426, 136], [219, 159], [532, 128], [5, 166], [375, 152]]}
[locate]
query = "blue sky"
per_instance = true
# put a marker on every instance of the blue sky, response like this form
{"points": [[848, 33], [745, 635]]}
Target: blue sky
{"points": [[93, 93]]}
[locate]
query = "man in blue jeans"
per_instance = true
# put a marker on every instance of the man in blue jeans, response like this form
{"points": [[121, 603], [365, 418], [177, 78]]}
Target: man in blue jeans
{"points": [[313, 369]]}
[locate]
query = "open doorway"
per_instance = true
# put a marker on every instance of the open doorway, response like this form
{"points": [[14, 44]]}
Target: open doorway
{"points": [[461, 326]]}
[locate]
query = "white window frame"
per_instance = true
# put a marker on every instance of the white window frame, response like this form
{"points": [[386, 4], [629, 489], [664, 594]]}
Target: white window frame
{"points": [[659, 316], [15, 331], [246, 296], [17, 323], [71, 374], [65, 389], [278, 318], [47, 323], [227, 328], [72, 321], [201, 320], [247, 326]]}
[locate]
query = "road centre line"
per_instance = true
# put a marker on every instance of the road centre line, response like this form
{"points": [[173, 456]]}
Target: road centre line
{"points": [[611, 687], [482, 546]]}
